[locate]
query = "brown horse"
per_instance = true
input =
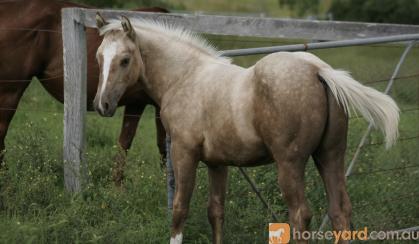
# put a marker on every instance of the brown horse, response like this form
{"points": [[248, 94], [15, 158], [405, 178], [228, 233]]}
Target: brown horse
{"points": [[31, 45], [286, 108]]}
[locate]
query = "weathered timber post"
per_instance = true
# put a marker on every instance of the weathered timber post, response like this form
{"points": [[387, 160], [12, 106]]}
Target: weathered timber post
{"points": [[74, 46]]}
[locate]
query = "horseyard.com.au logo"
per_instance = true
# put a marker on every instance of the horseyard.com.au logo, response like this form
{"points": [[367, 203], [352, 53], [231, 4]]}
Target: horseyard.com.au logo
{"points": [[279, 233]]}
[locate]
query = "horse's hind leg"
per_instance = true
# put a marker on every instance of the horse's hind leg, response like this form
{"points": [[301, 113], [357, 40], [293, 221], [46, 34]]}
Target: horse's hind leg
{"points": [[10, 95], [291, 183], [217, 190], [329, 159], [330, 163]]}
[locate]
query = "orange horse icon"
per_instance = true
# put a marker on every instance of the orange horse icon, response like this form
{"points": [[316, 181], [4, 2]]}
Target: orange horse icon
{"points": [[279, 233]]}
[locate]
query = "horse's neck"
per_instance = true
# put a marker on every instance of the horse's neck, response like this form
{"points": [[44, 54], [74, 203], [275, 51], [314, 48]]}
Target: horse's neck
{"points": [[167, 64]]}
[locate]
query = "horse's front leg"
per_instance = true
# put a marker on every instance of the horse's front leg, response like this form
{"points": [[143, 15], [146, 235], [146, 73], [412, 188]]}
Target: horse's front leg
{"points": [[217, 190], [185, 161], [132, 115]]}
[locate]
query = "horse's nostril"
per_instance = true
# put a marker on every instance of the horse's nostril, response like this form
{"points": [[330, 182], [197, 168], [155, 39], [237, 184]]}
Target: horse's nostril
{"points": [[106, 106]]}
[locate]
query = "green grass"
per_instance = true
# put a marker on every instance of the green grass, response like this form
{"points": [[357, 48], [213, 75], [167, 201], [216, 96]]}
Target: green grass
{"points": [[34, 208]]}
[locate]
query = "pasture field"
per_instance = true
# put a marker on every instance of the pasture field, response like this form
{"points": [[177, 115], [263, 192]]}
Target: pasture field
{"points": [[34, 208]]}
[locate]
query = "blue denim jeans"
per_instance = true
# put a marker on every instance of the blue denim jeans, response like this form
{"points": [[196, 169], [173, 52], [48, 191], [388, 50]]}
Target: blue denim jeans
{"points": [[170, 177]]}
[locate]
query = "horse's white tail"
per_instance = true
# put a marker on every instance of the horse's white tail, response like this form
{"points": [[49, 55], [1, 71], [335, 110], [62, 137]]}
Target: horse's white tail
{"points": [[376, 107]]}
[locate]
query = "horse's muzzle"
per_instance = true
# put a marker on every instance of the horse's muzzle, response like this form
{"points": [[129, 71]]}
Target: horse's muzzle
{"points": [[105, 109]]}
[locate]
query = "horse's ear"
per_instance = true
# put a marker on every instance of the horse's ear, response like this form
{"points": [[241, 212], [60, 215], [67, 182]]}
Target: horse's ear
{"points": [[127, 26], [100, 21]]}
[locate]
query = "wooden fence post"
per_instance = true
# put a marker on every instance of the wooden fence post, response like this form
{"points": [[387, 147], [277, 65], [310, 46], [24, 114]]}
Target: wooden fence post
{"points": [[74, 46]]}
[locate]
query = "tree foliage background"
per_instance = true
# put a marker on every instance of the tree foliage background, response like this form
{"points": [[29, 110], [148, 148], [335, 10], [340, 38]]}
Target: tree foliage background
{"points": [[381, 11], [390, 11]]}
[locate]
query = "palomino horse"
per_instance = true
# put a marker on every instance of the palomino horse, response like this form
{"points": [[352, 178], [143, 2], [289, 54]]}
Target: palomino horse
{"points": [[31, 45], [287, 107]]}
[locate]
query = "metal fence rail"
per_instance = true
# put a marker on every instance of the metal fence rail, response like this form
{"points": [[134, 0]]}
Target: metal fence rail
{"points": [[319, 45]]}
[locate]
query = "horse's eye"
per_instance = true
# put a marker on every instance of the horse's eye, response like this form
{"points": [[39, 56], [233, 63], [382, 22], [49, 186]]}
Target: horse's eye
{"points": [[125, 62]]}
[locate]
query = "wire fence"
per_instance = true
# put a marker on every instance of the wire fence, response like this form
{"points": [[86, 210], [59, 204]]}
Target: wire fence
{"points": [[2, 81]]}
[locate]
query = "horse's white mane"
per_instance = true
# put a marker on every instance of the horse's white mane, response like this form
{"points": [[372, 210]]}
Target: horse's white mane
{"points": [[176, 33]]}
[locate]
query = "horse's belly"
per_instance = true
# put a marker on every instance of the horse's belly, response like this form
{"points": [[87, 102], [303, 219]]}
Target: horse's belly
{"points": [[231, 152]]}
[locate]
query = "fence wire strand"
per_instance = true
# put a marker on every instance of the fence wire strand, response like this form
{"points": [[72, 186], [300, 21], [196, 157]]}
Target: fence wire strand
{"points": [[29, 80], [374, 203], [385, 170]]}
